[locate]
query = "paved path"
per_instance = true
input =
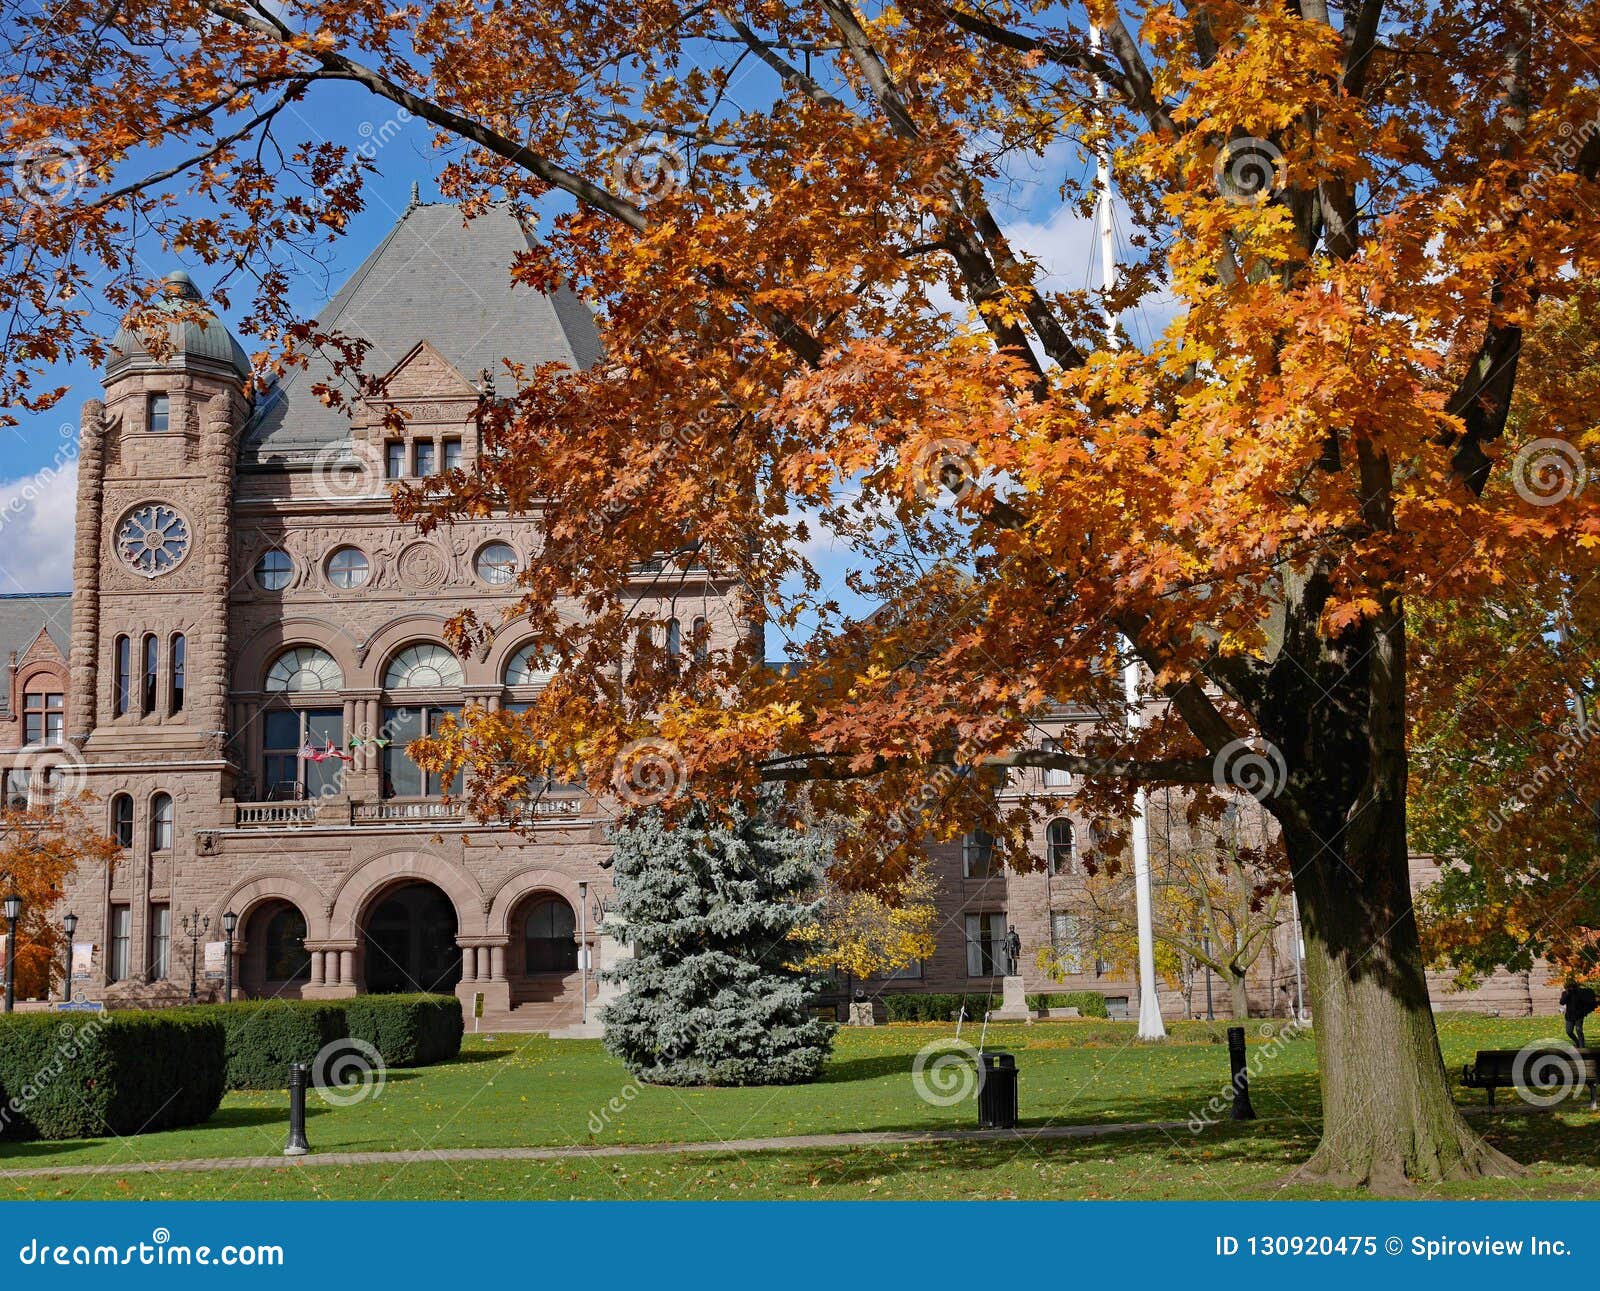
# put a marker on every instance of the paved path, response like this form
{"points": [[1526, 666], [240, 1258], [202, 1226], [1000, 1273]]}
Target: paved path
{"points": [[859, 1140]]}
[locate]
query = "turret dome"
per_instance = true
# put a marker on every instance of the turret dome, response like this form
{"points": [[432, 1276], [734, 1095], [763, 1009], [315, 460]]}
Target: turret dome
{"points": [[204, 339]]}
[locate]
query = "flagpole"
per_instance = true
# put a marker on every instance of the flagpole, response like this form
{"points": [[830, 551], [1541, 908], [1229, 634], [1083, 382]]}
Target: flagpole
{"points": [[1151, 1026]]}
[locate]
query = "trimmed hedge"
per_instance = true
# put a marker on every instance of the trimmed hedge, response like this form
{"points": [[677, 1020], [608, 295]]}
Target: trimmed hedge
{"points": [[1090, 1004], [89, 1075], [912, 1006], [265, 1036], [407, 1030]]}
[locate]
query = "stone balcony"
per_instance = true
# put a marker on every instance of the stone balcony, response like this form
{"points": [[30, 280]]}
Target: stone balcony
{"points": [[388, 811]]}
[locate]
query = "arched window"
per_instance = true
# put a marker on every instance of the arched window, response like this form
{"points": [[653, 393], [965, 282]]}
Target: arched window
{"points": [[175, 674], [161, 823], [147, 688], [122, 820], [978, 860], [304, 668], [528, 667], [420, 666], [700, 639], [674, 639], [550, 942], [287, 959], [1058, 846], [122, 688]]}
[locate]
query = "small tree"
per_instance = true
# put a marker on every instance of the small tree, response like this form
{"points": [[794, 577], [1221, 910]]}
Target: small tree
{"points": [[1215, 904], [861, 932], [41, 846], [713, 907]]}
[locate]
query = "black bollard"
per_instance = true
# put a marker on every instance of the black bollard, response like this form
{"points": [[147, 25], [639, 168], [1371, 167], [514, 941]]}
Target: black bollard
{"points": [[1242, 1111], [297, 1145]]}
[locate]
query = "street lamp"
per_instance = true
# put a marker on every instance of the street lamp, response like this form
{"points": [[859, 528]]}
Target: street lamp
{"points": [[13, 909], [194, 926], [230, 921], [69, 922]]}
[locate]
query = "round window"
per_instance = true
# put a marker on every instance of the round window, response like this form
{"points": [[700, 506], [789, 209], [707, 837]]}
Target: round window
{"points": [[496, 564], [152, 539], [348, 567], [274, 570]]}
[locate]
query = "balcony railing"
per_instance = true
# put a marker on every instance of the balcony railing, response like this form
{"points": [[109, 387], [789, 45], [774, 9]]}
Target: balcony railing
{"points": [[275, 813], [279, 815]]}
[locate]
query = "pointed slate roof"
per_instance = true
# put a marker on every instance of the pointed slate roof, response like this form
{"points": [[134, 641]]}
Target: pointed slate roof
{"points": [[434, 278], [23, 615]]}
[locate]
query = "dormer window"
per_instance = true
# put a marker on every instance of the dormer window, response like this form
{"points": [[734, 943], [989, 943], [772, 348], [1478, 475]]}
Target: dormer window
{"points": [[158, 415]]}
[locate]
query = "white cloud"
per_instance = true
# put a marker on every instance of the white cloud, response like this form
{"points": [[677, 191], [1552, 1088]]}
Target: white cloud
{"points": [[37, 527]]}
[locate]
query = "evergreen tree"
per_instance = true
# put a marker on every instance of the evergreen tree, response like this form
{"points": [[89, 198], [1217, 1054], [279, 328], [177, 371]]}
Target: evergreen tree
{"points": [[712, 908]]}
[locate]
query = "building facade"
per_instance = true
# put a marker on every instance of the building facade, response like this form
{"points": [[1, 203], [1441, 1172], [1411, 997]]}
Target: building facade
{"points": [[252, 639]]}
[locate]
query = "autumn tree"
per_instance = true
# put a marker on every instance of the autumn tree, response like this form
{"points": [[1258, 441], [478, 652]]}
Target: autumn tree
{"points": [[1217, 898], [866, 931], [42, 845], [793, 223]]}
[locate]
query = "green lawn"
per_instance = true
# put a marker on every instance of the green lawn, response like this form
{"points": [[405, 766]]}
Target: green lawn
{"points": [[530, 1091]]}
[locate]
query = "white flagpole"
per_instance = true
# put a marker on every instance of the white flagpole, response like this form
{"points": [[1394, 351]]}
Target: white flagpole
{"points": [[1151, 1026]]}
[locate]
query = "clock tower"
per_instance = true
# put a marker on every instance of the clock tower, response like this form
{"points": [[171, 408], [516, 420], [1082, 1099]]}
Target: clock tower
{"points": [[150, 569]]}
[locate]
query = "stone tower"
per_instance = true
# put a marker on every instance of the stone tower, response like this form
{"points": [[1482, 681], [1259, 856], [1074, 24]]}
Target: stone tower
{"points": [[150, 571]]}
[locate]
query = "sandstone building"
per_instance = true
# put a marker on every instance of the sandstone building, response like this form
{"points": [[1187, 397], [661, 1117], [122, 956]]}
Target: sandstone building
{"points": [[252, 638]]}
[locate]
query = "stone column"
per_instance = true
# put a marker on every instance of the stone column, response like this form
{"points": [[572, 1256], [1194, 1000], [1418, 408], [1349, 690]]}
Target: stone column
{"points": [[316, 967], [85, 675], [347, 968]]}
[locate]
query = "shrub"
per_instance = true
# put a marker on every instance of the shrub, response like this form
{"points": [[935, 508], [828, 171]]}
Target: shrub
{"points": [[1090, 1004], [923, 1007], [407, 1030], [87, 1075], [265, 1036]]}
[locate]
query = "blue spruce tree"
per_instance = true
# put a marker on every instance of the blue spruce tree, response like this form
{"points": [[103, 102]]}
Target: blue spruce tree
{"points": [[710, 907]]}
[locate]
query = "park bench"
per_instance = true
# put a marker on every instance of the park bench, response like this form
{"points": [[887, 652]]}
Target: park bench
{"points": [[1539, 1070]]}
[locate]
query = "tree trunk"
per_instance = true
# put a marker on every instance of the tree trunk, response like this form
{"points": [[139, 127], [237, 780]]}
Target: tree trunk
{"points": [[1337, 715], [1388, 1117], [1240, 994]]}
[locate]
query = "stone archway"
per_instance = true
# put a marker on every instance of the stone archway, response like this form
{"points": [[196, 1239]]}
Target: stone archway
{"points": [[408, 940], [273, 959]]}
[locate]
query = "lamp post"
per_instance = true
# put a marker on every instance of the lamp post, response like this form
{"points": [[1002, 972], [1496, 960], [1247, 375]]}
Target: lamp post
{"points": [[69, 922], [13, 909], [230, 921], [195, 926]]}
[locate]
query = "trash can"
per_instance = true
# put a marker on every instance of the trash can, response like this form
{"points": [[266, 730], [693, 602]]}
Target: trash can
{"points": [[997, 1091]]}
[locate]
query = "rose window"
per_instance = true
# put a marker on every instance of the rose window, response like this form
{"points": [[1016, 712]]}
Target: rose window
{"points": [[152, 539]]}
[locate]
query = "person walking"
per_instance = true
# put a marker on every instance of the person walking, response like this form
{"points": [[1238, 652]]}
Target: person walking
{"points": [[1577, 1002]]}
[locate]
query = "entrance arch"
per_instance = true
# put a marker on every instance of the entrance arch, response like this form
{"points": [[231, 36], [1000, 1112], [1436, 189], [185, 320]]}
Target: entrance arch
{"points": [[275, 962], [408, 941]]}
